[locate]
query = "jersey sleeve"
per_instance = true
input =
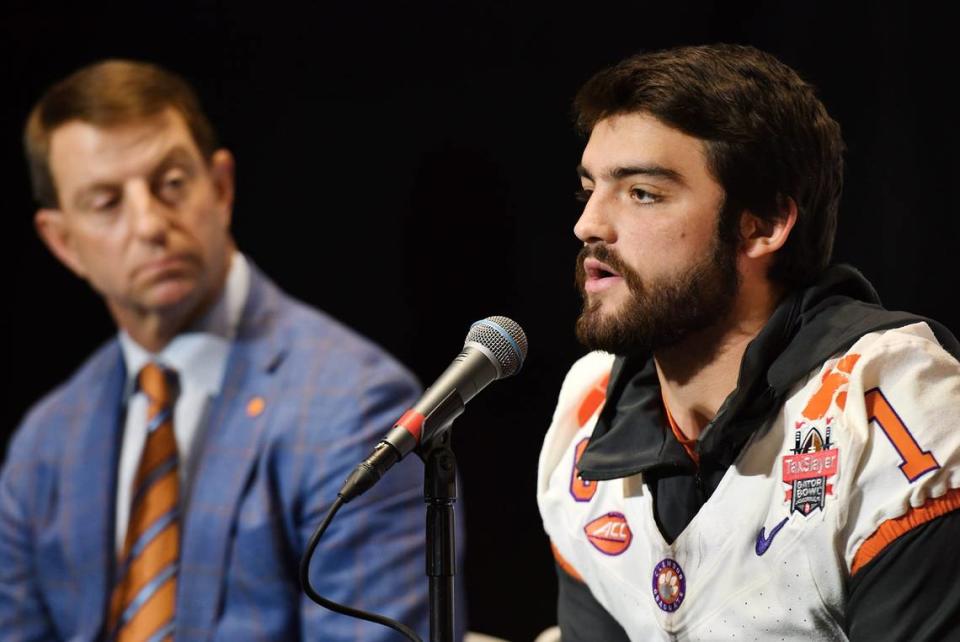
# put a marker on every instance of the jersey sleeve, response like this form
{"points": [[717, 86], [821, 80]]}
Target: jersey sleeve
{"points": [[901, 413]]}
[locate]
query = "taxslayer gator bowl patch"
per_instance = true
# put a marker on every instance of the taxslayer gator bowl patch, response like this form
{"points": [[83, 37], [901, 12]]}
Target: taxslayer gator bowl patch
{"points": [[610, 534], [669, 585], [814, 460]]}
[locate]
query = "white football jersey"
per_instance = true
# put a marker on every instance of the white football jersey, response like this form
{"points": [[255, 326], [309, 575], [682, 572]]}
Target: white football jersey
{"points": [[864, 449]]}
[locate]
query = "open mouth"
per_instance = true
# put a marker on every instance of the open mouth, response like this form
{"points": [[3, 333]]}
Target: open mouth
{"points": [[599, 275]]}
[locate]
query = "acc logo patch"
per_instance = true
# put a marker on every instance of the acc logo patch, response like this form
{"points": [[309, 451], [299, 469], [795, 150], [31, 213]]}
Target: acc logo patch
{"points": [[609, 534], [669, 585]]}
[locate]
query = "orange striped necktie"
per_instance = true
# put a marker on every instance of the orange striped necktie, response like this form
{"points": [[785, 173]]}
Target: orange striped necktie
{"points": [[144, 594]]}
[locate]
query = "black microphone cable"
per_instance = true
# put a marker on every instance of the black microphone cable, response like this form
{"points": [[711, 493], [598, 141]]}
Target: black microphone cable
{"points": [[335, 606]]}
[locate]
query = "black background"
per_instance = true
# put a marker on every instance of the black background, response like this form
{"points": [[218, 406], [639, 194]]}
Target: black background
{"points": [[410, 168]]}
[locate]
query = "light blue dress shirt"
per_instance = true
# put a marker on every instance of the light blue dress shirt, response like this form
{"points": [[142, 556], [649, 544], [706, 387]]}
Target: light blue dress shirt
{"points": [[199, 356]]}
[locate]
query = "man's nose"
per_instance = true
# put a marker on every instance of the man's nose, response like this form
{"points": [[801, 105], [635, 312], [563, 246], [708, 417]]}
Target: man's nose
{"points": [[149, 217], [595, 222]]}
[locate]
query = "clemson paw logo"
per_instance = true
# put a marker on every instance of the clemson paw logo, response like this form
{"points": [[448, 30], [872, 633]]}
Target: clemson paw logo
{"points": [[669, 585], [833, 386], [609, 534]]}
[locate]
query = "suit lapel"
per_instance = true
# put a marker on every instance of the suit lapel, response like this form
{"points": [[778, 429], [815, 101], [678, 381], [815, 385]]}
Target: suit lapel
{"points": [[226, 462], [89, 482]]}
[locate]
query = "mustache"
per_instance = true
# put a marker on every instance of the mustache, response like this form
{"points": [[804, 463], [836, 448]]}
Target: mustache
{"points": [[604, 254]]}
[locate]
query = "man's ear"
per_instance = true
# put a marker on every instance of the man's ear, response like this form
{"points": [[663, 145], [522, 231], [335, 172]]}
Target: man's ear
{"points": [[222, 167], [55, 233], [761, 237]]}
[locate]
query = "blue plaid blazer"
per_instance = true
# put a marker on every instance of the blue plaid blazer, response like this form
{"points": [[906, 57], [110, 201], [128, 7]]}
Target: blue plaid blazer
{"points": [[262, 484]]}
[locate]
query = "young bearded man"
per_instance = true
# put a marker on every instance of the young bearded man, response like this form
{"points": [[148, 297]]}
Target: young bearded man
{"points": [[755, 449], [168, 488]]}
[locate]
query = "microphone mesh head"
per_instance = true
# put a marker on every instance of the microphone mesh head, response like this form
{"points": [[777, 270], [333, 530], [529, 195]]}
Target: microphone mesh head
{"points": [[504, 338]]}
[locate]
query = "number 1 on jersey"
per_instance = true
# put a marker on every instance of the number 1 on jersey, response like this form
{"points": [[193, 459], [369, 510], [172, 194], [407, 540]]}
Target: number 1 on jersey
{"points": [[915, 462]]}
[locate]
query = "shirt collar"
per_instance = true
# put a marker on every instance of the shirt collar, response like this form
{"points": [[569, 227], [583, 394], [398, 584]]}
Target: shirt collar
{"points": [[199, 354]]}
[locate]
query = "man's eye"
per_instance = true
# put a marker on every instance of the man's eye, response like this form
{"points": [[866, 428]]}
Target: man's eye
{"points": [[643, 196], [583, 195], [105, 204], [173, 186]]}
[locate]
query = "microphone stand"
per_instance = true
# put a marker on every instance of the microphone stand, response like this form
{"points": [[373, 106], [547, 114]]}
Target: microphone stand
{"points": [[440, 493]]}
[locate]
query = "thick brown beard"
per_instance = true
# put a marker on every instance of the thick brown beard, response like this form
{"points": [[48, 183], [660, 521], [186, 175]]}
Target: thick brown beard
{"points": [[663, 312]]}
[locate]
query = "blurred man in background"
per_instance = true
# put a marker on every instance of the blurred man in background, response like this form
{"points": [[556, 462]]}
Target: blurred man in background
{"points": [[169, 486]]}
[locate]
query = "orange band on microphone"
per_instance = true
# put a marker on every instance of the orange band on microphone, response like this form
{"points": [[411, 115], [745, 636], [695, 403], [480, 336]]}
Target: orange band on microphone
{"points": [[413, 422]]}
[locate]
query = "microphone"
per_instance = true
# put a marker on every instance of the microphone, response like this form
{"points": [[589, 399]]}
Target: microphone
{"points": [[494, 348]]}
